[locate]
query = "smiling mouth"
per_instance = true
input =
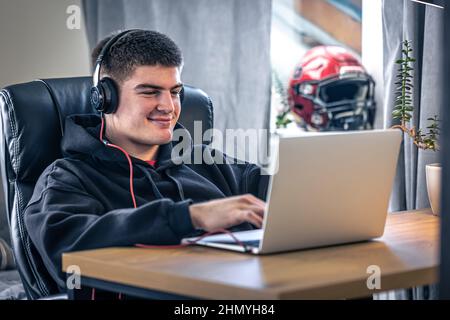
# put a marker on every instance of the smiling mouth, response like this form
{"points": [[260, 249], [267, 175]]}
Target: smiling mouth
{"points": [[161, 122]]}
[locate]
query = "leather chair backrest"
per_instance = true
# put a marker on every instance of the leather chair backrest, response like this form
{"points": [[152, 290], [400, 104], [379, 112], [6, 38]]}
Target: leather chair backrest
{"points": [[32, 121]]}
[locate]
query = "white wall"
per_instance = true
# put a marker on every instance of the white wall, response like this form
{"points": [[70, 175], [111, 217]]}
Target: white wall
{"points": [[35, 41], [372, 51]]}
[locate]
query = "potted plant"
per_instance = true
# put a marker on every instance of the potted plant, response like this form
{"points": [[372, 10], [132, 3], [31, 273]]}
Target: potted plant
{"points": [[425, 140], [283, 117]]}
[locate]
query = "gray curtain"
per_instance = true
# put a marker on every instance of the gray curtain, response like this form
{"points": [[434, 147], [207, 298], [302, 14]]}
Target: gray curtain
{"points": [[423, 25], [226, 45]]}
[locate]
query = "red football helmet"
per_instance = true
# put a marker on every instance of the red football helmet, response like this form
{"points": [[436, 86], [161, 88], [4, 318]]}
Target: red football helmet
{"points": [[331, 90]]}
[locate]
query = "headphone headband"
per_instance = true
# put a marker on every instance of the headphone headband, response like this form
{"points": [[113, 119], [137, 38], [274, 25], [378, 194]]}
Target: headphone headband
{"points": [[104, 51]]}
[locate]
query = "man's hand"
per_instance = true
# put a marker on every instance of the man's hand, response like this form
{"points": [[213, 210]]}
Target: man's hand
{"points": [[228, 212]]}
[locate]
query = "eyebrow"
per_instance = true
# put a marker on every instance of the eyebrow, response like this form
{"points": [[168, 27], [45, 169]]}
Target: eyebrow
{"points": [[153, 86]]}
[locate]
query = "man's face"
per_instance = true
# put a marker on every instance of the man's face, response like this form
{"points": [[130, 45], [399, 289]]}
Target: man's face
{"points": [[149, 106]]}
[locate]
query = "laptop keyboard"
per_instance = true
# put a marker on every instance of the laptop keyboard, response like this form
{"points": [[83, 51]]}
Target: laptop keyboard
{"points": [[248, 243], [252, 243]]}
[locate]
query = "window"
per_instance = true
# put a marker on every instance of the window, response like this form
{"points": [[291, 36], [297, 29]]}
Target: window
{"points": [[299, 25]]}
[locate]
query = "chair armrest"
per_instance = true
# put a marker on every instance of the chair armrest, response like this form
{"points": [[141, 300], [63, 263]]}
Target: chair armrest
{"points": [[60, 296]]}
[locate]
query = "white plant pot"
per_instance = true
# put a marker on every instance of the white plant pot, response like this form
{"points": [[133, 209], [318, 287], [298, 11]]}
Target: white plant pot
{"points": [[433, 176]]}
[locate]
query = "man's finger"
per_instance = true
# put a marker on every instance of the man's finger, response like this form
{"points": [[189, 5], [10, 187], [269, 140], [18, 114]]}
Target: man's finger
{"points": [[256, 209], [252, 207], [253, 218], [251, 199], [256, 200]]}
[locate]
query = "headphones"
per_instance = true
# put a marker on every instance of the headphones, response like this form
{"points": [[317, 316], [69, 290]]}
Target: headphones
{"points": [[104, 96], [104, 93]]}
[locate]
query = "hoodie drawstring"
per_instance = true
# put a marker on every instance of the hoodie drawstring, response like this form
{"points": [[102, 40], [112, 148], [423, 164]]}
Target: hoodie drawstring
{"points": [[152, 183], [177, 183]]}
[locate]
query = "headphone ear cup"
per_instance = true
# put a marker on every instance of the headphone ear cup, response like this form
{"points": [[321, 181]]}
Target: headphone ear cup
{"points": [[97, 101], [110, 95]]}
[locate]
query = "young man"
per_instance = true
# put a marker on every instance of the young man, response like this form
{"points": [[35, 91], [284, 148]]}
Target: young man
{"points": [[117, 184]]}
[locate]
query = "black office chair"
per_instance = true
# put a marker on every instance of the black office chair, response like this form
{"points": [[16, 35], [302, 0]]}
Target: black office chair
{"points": [[32, 123]]}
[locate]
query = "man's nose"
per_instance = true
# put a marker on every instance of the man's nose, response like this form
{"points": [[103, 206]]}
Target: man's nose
{"points": [[166, 103]]}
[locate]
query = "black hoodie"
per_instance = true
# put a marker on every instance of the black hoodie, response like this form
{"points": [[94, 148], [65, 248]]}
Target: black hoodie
{"points": [[83, 201]]}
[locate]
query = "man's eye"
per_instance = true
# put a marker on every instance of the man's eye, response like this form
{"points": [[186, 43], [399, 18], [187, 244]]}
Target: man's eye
{"points": [[176, 93], [150, 93]]}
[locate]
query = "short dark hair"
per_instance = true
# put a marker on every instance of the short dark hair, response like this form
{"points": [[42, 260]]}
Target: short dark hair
{"points": [[137, 48]]}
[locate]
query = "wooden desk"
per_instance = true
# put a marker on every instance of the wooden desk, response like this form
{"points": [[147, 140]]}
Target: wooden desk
{"points": [[407, 255]]}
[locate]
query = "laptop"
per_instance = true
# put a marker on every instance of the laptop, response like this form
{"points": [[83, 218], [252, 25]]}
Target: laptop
{"points": [[330, 188]]}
